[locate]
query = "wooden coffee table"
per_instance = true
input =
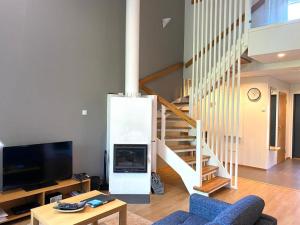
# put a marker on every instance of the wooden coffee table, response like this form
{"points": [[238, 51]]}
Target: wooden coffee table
{"points": [[46, 215]]}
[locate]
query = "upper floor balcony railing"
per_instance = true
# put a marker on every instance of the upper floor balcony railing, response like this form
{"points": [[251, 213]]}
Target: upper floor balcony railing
{"points": [[275, 12]]}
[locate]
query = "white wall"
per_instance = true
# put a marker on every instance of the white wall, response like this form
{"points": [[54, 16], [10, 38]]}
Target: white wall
{"points": [[56, 59], [255, 117], [254, 124]]}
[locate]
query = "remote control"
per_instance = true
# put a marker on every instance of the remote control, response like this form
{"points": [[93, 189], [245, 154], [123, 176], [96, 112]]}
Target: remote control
{"points": [[70, 206]]}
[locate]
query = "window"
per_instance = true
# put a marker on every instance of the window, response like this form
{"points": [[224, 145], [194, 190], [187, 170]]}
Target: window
{"points": [[293, 10]]}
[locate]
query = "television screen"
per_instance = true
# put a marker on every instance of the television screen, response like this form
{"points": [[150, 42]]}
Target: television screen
{"points": [[33, 164]]}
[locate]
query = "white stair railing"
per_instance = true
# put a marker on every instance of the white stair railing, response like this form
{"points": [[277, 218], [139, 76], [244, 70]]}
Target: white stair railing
{"points": [[220, 36]]}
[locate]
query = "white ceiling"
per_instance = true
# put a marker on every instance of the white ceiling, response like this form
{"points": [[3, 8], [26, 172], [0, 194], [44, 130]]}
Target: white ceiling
{"points": [[273, 57], [289, 75]]}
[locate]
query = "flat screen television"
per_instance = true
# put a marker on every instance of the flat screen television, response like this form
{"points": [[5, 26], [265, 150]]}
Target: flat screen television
{"points": [[32, 165]]}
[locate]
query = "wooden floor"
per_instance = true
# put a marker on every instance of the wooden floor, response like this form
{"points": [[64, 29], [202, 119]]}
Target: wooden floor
{"points": [[281, 202], [285, 174]]}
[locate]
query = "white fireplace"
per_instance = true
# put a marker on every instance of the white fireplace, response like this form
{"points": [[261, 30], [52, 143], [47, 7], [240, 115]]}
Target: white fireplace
{"points": [[131, 130]]}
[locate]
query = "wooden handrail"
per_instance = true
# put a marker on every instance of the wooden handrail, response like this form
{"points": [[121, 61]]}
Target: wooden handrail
{"points": [[218, 38], [162, 100], [170, 106], [161, 73], [193, 1], [255, 7]]}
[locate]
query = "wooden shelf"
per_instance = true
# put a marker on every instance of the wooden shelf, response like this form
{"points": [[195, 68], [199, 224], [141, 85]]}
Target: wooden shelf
{"points": [[17, 197], [12, 217]]}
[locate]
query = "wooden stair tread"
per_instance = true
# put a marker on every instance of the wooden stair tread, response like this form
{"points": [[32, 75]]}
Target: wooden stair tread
{"points": [[181, 103], [209, 169], [212, 185], [171, 118], [183, 110], [190, 159], [176, 147], [180, 137], [176, 128]]}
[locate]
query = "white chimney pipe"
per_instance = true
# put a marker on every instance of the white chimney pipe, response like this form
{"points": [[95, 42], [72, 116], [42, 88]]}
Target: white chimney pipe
{"points": [[132, 55]]}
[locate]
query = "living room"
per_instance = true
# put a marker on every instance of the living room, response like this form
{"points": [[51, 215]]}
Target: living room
{"points": [[87, 84]]}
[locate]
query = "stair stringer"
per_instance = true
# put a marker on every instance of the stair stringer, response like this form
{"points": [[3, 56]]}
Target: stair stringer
{"points": [[188, 175], [214, 161]]}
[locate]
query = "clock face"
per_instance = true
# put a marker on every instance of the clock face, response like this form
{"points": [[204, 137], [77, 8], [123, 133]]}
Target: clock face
{"points": [[254, 94]]}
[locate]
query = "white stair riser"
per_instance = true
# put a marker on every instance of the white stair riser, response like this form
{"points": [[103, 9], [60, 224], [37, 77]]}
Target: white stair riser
{"points": [[210, 173]]}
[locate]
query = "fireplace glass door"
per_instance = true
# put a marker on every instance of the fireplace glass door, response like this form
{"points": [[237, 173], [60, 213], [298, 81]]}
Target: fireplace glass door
{"points": [[130, 158]]}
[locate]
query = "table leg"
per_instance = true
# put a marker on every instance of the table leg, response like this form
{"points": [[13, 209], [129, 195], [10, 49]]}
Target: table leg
{"points": [[123, 215], [34, 221], [95, 223]]}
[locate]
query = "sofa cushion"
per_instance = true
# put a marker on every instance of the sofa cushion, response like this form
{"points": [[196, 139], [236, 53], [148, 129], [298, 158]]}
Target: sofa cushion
{"points": [[182, 218], [207, 208], [245, 211]]}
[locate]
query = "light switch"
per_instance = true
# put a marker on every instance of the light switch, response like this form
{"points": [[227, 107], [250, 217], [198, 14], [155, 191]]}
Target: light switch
{"points": [[84, 112]]}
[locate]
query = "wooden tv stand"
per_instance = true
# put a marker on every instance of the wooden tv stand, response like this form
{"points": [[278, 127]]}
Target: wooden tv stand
{"points": [[18, 197]]}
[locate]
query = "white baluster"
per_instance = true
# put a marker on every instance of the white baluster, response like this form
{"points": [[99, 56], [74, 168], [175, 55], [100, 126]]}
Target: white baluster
{"points": [[194, 61], [199, 152], [233, 63], [219, 81], [214, 71], [163, 124], [201, 63]]}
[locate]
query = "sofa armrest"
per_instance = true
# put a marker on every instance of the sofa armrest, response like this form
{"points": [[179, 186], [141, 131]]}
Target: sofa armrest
{"points": [[266, 220], [205, 207]]}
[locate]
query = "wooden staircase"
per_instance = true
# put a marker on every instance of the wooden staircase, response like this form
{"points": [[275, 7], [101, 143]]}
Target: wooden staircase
{"points": [[178, 138], [198, 137]]}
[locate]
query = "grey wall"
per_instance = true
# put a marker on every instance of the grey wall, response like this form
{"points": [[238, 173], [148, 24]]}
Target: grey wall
{"points": [[58, 57], [160, 47]]}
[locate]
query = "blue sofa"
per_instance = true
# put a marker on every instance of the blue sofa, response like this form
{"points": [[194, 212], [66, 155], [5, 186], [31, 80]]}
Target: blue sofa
{"points": [[208, 211]]}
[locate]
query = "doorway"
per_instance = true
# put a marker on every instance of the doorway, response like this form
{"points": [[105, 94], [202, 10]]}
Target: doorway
{"points": [[278, 124], [296, 127], [281, 126]]}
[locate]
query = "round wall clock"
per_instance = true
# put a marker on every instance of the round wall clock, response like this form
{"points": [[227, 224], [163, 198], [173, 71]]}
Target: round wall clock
{"points": [[254, 94]]}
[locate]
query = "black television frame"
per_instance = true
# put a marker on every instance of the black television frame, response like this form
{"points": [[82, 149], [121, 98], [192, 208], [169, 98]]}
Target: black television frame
{"points": [[2, 148], [1, 168]]}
